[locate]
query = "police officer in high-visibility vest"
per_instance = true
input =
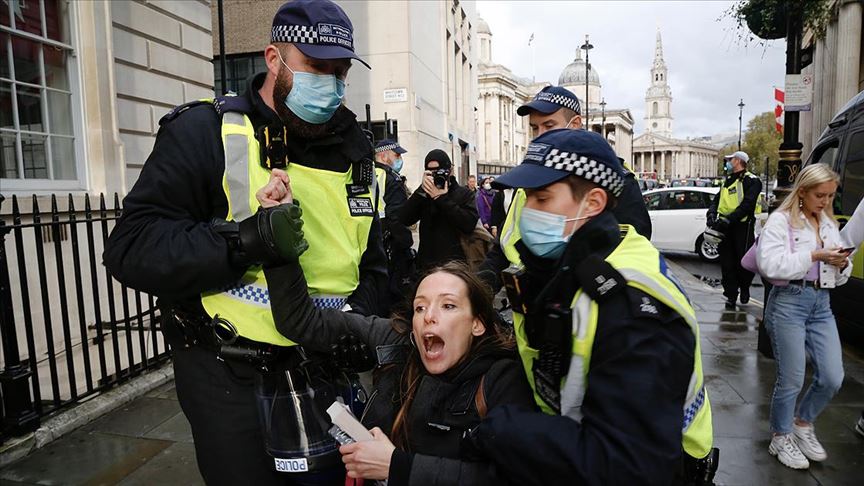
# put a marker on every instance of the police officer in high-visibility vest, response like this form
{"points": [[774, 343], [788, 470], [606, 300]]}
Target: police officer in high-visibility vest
{"points": [[186, 226], [609, 341], [555, 107], [733, 214], [392, 194]]}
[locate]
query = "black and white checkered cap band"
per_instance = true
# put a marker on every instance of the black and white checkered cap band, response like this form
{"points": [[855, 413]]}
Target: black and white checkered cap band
{"points": [[294, 34], [565, 101], [590, 169], [389, 146]]}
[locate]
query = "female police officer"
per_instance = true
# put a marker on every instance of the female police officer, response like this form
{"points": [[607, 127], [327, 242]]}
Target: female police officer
{"points": [[609, 342]]}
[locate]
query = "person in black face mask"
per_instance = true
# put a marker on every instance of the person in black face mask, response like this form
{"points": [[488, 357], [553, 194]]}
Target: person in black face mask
{"points": [[445, 209], [184, 232]]}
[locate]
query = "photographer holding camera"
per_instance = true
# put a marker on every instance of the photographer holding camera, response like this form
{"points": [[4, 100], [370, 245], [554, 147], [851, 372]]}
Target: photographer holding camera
{"points": [[445, 209]]}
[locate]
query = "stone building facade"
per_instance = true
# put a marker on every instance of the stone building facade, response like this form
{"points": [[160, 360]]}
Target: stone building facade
{"points": [[82, 95], [502, 135], [837, 69], [656, 153]]}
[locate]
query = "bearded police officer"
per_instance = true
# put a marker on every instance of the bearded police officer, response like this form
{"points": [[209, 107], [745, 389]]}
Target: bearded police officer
{"points": [[609, 341], [733, 214], [179, 238], [392, 194], [552, 108]]}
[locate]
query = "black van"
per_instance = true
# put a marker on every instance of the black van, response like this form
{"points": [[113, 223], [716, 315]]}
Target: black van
{"points": [[841, 146]]}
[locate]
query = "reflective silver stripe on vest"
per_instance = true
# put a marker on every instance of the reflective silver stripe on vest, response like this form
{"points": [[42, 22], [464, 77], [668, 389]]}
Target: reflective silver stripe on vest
{"points": [[260, 296], [739, 190], [573, 392], [237, 168]]}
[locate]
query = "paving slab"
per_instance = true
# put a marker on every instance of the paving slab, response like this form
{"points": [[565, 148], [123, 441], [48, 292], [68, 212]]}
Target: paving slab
{"points": [[174, 465], [844, 466], [84, 457], [137, 418], [746, 462], [167, 391], [175, 429]]}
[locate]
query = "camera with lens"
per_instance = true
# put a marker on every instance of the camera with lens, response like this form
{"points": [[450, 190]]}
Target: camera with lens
{"points": [[440, 177]]}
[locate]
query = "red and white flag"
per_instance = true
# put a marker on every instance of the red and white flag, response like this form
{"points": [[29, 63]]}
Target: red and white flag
{"points": [[779, 97]]}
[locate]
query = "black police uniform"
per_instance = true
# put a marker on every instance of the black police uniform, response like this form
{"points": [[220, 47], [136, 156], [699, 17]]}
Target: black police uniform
{"points": [[739, 236], [641, 364], [397, 237], [164, 244]]}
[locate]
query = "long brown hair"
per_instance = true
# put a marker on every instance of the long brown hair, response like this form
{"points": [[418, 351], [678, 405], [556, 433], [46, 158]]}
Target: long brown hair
{"points": [[480, 298]]}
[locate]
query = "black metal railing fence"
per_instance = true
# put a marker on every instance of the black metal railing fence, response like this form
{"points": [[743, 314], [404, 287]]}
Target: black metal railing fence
{"points": [[68, 330]]}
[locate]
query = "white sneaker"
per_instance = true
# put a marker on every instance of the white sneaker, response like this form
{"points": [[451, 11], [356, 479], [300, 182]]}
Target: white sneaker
{"points": [[859, 426], [805, 438], [783, 446]]}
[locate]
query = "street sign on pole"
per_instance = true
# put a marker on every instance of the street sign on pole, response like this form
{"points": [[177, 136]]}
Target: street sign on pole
{"points": [[799, 92]]}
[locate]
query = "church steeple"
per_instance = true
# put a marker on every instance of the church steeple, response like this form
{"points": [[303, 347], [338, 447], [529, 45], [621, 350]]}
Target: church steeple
{"points": [[658, 50], [658, 99]]}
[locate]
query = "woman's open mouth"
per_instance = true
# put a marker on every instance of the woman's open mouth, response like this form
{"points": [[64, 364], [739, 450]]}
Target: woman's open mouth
{"points": [[433, 346]]}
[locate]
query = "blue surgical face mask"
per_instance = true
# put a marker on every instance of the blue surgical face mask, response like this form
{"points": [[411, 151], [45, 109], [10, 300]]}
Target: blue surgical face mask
{"points": [[314, 97], [727, 166], [543, 232], [397, 165]]}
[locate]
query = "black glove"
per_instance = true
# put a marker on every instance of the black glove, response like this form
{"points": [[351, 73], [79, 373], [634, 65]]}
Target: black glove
{"points": [[350, 353], [711, 219], [273, 235], [722, 224]]}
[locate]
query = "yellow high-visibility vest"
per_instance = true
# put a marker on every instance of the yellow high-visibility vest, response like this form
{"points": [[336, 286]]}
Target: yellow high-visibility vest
{"points": [[731, 197], [337, 239], [639, 262]]}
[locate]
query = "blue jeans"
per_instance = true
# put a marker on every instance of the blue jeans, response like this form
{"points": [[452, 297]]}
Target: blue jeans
{"points": [[800, 324]]}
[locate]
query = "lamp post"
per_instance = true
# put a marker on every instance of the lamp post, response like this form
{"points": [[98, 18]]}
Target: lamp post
{"points": [[740, 113], [222, 70], [603, 117], [587, 46]]}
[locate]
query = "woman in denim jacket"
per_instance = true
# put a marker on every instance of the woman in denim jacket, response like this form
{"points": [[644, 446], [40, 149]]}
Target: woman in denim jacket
{"points": [[801, 243]]}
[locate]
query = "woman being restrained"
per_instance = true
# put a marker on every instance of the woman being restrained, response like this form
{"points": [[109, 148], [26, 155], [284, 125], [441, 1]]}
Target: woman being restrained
{"points": [[450, 360]]}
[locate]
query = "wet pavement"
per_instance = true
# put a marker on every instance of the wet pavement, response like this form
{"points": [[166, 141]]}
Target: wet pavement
{"points": [[149, 441]]}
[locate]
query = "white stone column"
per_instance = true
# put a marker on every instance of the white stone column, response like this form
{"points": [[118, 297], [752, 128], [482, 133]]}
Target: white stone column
{"points": [[662, 163], [848, 53]]}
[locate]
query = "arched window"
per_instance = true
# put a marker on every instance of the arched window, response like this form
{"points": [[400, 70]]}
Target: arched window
{"points": [[655, 108]]}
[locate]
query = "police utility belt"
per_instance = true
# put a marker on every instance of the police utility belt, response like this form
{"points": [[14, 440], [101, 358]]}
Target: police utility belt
{"points": [[220, 336]]}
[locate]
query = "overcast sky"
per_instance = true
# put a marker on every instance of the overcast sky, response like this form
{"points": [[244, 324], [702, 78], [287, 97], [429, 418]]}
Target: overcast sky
{"points": [[710, 70]]}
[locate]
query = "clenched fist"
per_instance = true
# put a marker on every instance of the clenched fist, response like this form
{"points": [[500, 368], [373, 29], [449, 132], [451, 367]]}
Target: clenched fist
{"points": [[277, 191]]}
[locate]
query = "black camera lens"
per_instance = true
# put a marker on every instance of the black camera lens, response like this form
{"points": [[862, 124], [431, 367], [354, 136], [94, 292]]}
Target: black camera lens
{"points": [[439, 177]]}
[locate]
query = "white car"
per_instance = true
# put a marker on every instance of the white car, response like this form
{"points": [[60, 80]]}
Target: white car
{"points": [[678, 219]]}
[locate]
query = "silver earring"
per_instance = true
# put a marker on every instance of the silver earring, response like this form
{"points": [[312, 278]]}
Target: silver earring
{"points": [[800, 203], [413, 340]]}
